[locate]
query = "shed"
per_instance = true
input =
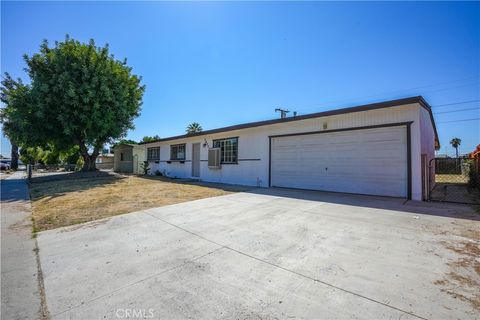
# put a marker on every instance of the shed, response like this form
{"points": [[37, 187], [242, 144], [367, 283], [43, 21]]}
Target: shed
{"points": [[128, 158]]}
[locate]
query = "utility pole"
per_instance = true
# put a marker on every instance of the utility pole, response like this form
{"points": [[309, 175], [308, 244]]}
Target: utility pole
{"points": [[283, 112]]}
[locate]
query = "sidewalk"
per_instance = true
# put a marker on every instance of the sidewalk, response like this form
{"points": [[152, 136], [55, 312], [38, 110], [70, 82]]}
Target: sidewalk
{"points": [[19, 283]]}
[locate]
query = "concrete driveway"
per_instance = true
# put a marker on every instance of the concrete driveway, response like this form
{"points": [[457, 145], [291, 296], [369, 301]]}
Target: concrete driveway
{"points": [[267, 254]]}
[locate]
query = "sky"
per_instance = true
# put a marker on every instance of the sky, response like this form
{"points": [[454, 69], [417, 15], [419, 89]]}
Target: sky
{"points": [[224, 63]]}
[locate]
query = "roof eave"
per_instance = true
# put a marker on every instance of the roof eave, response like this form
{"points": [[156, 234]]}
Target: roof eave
{"points": [[367, 107]]}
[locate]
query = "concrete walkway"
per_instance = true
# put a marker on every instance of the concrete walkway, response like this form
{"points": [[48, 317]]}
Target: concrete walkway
{"points": [[19, 288]]}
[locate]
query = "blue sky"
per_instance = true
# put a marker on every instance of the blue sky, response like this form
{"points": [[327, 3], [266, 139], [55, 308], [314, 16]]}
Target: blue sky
{"points": [[227, 63]]}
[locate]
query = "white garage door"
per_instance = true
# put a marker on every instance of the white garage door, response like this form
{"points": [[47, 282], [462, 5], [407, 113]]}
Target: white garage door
{"points": [[368, 161]]}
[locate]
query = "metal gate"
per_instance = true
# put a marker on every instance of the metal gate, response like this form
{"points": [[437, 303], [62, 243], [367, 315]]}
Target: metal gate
{"points": [[454, 180]]}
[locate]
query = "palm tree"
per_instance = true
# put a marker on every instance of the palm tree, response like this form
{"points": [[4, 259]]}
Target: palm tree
{"points": [[194, 127], [456, 142]]}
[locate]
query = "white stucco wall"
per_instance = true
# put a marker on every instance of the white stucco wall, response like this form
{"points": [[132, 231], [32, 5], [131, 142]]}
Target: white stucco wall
{"points": [[139, 155], [124, 165], [253, 146], [427, 141]]}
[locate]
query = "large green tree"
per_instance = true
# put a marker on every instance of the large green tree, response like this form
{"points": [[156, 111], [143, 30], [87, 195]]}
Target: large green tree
{"points": [[79, 94]]}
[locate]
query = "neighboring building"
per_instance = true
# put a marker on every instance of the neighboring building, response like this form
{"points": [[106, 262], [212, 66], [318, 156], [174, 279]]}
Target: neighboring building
{"points": [[442, 155], [377, 149], [104, 161], [128, 158], [475, 154]]}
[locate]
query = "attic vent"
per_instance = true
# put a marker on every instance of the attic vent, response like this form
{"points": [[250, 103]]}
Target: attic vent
{"points": [[214, 158]]}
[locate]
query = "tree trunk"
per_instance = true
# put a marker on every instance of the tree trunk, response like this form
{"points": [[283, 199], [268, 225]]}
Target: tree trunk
{"points": [[14, 157], [89, 163], [88, 159]]}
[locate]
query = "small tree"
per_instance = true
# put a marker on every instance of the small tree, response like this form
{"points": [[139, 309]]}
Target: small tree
{"points": [[79, 95], [31, 155], [69, 156], [456, 142], [145, 166], [194, 127], [50, 156]]}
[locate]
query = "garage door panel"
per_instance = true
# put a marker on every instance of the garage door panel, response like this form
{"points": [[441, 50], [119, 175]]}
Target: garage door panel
{"points": [[370, 161]]}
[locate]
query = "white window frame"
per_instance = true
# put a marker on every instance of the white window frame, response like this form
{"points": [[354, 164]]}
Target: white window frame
{"points": [[228, 155], [153, 154], [174, 151]]}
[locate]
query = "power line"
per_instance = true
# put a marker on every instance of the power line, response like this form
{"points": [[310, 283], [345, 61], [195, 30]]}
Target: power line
{"points": [[455, 103], [382, 95], [441, 83], [467, 109], [451, 88], [472, 119]]}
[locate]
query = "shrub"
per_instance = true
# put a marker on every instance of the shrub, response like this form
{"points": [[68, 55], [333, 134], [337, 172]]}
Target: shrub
{"points": [[145, 167], [158, 173]]}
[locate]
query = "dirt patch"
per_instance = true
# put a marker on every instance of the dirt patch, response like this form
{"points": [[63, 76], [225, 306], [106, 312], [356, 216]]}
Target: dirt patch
{"points": [[468, 248], [463, 281], [72, 201], [473, 234]]}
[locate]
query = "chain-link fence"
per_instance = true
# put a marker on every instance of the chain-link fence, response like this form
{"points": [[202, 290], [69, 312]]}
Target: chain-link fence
{"points": [[455, 180]]}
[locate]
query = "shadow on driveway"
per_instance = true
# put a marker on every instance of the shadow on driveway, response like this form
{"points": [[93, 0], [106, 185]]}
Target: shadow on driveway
{"points": [[451, 210]]}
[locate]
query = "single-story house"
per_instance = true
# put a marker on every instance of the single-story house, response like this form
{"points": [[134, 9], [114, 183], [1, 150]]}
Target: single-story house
{"points": [[376, 149], [128, 158]]}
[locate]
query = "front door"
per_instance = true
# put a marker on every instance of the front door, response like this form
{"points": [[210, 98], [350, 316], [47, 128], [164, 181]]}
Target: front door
{"points": [[196, 160]]}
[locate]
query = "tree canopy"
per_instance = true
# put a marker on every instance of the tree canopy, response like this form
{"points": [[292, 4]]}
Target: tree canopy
{"points": [[456, 142], [194, 127], [17, 116], [124, 141], [49, 155], [150, 138], [79, 94]]}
